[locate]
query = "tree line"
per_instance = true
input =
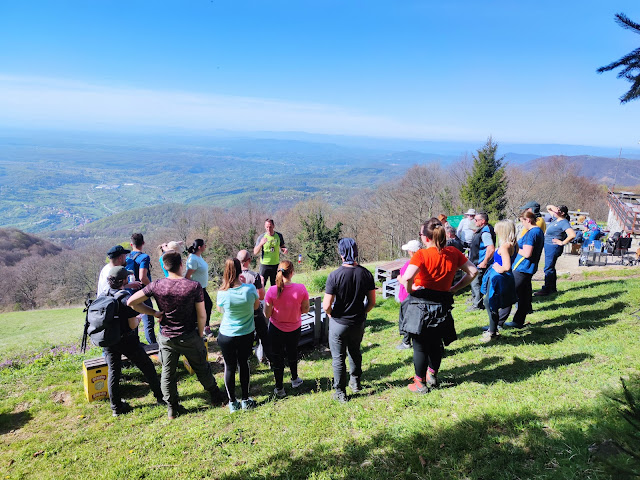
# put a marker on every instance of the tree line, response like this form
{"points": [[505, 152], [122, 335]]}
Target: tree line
{"points": [[381, 219]]}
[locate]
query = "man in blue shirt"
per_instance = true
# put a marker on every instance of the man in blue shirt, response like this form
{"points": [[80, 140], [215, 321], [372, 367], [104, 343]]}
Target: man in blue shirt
{"points": [[139, 263], [481, 255]]}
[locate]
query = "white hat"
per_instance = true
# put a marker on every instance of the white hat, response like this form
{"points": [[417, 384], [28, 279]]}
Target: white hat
{"points": [[471, 211], [175, 246], [411, 246]]}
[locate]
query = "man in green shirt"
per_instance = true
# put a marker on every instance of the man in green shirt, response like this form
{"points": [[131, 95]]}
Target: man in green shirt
{"points": [[270, 243]]}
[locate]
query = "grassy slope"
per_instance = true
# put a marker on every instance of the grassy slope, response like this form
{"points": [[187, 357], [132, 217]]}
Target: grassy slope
{"points": [[525, 407], [31, 331]]}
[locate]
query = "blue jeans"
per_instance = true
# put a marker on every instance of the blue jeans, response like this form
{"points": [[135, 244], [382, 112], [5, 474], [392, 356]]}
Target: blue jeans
{"points": [[476, 296], [149, 323], [551, 254], [345, 340]]}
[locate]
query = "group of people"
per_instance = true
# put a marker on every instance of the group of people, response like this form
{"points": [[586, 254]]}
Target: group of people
{"points": [[499, 269], [184, 310]]}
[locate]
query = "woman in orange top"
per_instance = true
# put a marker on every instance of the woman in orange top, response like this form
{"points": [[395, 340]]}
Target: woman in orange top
{"points": [[430, 276]]}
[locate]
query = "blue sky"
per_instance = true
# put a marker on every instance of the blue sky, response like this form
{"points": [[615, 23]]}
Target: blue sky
{"points": [[456, 70]]}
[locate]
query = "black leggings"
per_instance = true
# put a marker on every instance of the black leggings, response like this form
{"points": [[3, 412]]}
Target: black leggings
{"points": [[427, 350], [236, 352], [208, 305], [282, 342]]}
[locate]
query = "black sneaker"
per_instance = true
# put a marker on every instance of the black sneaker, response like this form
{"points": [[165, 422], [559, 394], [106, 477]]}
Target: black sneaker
{"points": [[355, 385], [174, 411], [340, 396], [121, 409]]}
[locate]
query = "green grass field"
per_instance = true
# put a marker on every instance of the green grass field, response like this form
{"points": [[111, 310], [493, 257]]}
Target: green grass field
{"points": [[527, 406]]}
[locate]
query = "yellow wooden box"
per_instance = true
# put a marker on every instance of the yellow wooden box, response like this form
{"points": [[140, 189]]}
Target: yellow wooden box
{"points": [[186, 362], [95, 374]]}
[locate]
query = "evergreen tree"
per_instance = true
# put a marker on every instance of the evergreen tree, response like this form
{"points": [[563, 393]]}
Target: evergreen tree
{"points": [[486, 184], [319, 242], [630, 63]]}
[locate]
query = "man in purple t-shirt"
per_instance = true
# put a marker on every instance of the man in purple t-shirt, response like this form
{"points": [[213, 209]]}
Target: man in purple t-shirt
{"points": [[181, 329]]}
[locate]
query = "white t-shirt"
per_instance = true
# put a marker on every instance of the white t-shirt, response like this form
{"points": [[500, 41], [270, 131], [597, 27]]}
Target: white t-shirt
{"points": [[103, 285]]}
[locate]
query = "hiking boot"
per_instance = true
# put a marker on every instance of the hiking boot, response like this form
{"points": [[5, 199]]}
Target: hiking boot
{"points": [[296, 382], [248, 404], [121, 409], [174, 411], [234, 406], [418, 385], [354, 385], [488, 336], [340, 396], [432, 380], [279, 392], [403, 346]]}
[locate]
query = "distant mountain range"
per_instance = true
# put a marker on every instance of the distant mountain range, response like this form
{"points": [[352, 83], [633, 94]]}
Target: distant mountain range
{"points": [[65, 180]]}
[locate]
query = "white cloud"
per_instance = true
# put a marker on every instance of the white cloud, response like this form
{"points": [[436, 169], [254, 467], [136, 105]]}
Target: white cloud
{"points": [[50, 102]]}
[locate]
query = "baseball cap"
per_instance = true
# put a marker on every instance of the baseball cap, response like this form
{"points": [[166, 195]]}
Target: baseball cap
{"points": [[411, 246], [534, 206], [117, 251], [119, 273]]}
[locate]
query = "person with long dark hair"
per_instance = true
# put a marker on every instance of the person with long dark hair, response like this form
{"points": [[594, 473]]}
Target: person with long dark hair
{"points": [[198, 270], [426, 313], [558, 234], [237, 302], [285, 302]]}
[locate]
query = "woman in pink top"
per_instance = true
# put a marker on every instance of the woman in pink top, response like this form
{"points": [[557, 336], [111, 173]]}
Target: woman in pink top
{"points": [[285, 302]]}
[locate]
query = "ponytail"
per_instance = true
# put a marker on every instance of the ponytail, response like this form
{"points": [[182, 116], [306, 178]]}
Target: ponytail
{"points": [[434, 231], [285, 269], [197, 243]]}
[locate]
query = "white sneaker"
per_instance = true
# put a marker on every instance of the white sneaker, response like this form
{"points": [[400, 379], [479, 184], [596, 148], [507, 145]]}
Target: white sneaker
{"points": [[280, 392], [296, 382]]}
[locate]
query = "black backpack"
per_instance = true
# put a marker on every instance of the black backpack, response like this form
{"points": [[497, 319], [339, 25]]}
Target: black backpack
{"points": [[102, 323]]}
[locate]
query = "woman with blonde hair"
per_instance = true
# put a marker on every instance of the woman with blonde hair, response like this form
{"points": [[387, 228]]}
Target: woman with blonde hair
{"points": [[499, 285], [285, 302], [237, 302]]}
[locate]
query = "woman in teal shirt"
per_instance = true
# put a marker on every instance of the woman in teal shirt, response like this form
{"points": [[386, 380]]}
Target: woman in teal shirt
{"points": [[236, 301], [198, 270]]}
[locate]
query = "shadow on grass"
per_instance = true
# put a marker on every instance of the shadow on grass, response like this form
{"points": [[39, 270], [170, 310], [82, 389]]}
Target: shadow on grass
{"points": [[594, 284], [374, 325], [522, 445], [516, 371], [13, 421], [546, 332], [578, 302]]}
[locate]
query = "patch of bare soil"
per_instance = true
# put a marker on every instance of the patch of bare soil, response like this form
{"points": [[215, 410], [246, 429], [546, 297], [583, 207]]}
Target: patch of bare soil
{"points": [[62, 398]]}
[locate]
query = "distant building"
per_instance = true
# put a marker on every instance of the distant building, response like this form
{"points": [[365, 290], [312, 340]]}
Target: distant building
{"points": [[624, 212]]}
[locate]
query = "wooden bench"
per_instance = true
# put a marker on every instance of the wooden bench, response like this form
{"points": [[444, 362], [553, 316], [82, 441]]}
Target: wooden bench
{"points": [[390, 288], [389, 271]]}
